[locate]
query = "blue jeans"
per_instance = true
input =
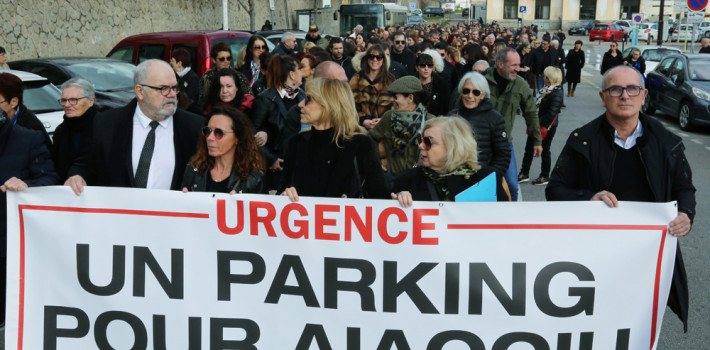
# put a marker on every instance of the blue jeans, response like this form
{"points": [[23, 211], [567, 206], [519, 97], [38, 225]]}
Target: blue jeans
{"points": [[540, 79], [511, 175]]}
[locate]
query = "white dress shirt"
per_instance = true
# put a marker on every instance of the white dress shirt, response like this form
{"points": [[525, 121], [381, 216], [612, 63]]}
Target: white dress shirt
{"points": [[162, 164]]}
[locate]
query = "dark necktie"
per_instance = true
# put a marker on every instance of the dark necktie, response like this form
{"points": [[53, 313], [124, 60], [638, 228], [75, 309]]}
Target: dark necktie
{"points": [[146, 155]]}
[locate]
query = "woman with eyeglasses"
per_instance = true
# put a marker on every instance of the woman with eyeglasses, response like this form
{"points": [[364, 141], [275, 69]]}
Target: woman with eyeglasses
{"points": [[488, 125], [227, 158], [252, 68], [334, 158], [73, 136], [369, 85], [612, 58], [549, 102], [429, 65], [229, 89], [271, 107], [449, 165]]}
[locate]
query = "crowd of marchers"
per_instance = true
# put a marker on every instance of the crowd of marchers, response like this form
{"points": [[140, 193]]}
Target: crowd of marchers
{"points": [[403, 113]]}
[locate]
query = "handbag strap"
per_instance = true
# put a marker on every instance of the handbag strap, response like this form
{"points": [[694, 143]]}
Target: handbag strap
{"points": [[553, 121]]}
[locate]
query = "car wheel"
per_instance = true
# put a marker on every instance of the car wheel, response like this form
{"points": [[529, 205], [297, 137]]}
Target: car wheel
{"points": [[646, 108], [684, 117], [707, 34]]}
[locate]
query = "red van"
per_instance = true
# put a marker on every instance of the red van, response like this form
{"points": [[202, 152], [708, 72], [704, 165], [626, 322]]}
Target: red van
{"points": [[141, 47]]}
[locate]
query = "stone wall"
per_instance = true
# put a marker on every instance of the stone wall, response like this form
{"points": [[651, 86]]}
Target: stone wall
{"points": [[45, 28]]}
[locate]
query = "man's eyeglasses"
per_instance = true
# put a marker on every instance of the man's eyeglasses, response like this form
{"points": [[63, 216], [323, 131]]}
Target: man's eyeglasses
{"points": [[617, 91], [72, 101], [218, 133], [399, 42], [227, 58], [466, 91], [426, 140], [375, 57], [425, 65], [164, 90]]}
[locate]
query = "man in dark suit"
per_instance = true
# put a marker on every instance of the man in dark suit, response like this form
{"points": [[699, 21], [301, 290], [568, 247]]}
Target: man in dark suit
{"points": [[145, 144]]}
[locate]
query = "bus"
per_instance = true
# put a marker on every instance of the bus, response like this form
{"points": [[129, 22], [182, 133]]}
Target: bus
{"points": [[371, 16]]}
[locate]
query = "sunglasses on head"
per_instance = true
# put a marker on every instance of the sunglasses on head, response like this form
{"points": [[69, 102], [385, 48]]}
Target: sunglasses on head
{"points": [[426, 140], [466, 91], [375, 57], [218, 133], [227, 58], [425, 65]]}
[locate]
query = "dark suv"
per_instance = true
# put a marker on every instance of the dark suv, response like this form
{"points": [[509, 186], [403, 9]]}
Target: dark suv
{"points": [[434, 12], [582, 27]]}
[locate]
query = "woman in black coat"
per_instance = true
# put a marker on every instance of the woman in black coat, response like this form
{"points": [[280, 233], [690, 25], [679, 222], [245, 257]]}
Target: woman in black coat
{"points": [[574, 64], [449, 166], [335, 157], [488, 124], [429, 66], [612, 58], [549, 102]]}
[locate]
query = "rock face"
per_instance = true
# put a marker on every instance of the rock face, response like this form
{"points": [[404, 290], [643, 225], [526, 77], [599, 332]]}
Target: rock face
{"points": [[47, 28]]}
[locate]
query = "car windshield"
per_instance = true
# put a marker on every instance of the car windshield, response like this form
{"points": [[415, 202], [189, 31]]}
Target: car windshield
{"points": [[41, 96], [699, 70], [602, 27], [656, 55], [580, 24], [106, 76], [642, 26]]}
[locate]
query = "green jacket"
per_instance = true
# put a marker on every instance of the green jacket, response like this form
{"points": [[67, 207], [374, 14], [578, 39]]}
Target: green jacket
{"points": [[520, 97], [396, 162]]}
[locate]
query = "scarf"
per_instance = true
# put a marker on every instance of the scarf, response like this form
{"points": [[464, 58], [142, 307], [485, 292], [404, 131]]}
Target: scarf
{"points": [[440, 181], [544, 92], [255, 70], [184, 71], [406, 126]]}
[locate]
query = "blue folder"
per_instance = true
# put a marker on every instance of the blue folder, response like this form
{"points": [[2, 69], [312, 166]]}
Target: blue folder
{"points": [[483, 191]]}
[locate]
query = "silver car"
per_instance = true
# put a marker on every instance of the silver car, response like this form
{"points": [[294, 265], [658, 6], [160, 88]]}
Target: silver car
{"points": [[42, 98], [652, 54]]}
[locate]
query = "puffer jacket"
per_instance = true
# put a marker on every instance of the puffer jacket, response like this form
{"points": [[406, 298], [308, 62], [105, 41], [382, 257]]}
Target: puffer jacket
{"points": [[196, 181], [489, 131], [550, 106]]}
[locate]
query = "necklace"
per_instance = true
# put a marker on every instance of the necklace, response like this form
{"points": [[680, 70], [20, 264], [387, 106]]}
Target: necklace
{"points": [[219, 176]]}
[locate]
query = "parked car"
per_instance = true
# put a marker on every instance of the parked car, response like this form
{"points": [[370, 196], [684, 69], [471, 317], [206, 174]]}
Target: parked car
{"points": [[607, 32], [434, 12], [683, 30], [414, 20], [625, 24], [582, 27], [42, 98], [704, 29], [112, 79], [647, 32], [417, 12], [273, 38], [680, 86], [160, 45], [652, 54]]}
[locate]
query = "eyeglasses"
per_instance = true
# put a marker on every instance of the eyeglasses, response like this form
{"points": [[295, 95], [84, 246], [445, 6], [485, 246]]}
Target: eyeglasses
{"points": [[227, 58], [375, 57], [617, 91], [425, 65], [399, 41], [72, 101], [426, 140], [218, 133], [466, 91], [256, 47], [164, 90]]}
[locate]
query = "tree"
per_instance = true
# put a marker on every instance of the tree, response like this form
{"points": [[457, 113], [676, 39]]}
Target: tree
{"points": [[249, 8]]}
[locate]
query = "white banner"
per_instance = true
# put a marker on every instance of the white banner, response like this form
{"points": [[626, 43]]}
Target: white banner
{"points": [[140, 269]]}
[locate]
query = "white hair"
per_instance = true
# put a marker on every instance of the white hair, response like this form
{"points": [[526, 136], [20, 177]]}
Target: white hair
{"points": [[478, 81], [436, 57]]}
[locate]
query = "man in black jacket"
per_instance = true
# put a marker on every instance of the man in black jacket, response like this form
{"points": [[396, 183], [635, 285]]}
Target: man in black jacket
{"points": [[402, 54], [542, 57], [625, 155], [145, 144]]}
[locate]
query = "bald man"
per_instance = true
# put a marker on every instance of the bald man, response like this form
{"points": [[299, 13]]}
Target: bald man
{"points": [[330, 70]]}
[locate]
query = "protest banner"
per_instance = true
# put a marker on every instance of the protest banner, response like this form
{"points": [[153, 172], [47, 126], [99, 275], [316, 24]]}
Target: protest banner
{"points": [[146, 269]]}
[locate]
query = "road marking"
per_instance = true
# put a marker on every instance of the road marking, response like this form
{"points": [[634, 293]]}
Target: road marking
{"points": [[697, 141], [683, 134]]}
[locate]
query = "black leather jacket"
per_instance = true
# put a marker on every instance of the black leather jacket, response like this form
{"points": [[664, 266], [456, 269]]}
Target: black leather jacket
{"points": [[196, 181]]}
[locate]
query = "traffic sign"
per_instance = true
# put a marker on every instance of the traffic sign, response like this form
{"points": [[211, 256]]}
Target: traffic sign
{"points": [[680, 6], [412, 5], [695, 17], [524, 8], [637, 18], [697, 5]]}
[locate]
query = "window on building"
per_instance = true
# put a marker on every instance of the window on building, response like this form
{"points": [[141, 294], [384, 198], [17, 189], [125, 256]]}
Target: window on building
{"points": [[510, 9], [542, 9], [587, 9], [628, 7]]}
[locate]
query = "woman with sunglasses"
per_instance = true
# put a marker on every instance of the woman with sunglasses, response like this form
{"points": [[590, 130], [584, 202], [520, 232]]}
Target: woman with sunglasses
{"points": [[487, 123], [284, 79], [229, 89], [612, 58], [369, 85], [449, 165], [334, 158], [227, 158], [252, 68], [429, 64]]}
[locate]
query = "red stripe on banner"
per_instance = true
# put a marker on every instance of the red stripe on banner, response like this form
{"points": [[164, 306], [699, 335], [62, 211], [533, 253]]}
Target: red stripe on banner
{"points": [[77, 210], [659, 262]]}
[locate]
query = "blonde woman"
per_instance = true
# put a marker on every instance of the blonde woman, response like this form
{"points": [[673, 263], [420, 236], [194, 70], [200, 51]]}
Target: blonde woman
{"points": [[334, 158], [449, 165]]}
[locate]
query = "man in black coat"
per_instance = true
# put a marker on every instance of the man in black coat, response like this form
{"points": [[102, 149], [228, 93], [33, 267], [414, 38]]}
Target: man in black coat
{"points": [[120, 137], [625, 155], [542, 57], [402, 54]]}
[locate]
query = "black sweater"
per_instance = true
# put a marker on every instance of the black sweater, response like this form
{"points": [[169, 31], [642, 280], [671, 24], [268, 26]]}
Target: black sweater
{"points": [[71, 139]]}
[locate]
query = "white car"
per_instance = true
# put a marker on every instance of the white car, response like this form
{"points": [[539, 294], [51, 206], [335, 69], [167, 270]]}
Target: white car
{"points": [[652, 54], [679, 33], [42, 98], [704, 29], [625, 24], [647, 32]]}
